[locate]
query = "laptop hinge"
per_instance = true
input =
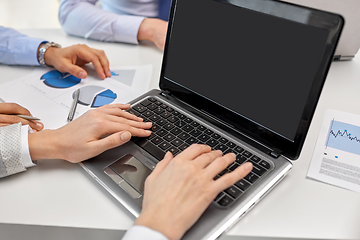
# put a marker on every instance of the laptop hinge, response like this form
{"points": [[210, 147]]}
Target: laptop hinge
{"points": [[165, 93], [275, 153]]}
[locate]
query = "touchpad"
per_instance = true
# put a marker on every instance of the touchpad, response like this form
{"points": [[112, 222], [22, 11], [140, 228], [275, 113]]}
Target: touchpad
{"points": [[130, 174]]}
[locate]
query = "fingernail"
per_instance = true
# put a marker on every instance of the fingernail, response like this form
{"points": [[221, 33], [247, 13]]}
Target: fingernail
{"points": [[167, 154], [103, 76], [233, 154], [248, 166], [109, 73], [82, 75], [39, 125], [125, 136], [148, 132], [148, 123]]}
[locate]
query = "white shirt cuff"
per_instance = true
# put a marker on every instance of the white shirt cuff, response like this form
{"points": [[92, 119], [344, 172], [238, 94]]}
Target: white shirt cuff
{"points": [[141, 232], [25, 154]]}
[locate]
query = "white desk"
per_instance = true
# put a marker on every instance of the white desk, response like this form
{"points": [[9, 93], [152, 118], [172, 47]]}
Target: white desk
{"points": [[59, 194]]}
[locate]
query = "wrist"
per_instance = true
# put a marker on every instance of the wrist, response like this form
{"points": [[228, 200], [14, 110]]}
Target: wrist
{"points": [[146, 30], [44, 51], [162, 226], [43, 145]]}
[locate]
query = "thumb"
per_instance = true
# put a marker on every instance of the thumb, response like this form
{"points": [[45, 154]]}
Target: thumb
{"points": [[162, 164], [111, 141]]}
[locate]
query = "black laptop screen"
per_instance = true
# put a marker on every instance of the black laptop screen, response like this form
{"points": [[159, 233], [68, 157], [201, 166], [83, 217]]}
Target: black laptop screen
{"points": [[258, 66]]}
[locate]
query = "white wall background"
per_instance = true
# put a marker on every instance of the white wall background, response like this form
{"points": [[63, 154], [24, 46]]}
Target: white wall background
{"points": [[22, 14]]}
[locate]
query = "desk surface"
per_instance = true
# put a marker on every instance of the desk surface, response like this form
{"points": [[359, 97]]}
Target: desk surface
{"points": [[57, 193]]}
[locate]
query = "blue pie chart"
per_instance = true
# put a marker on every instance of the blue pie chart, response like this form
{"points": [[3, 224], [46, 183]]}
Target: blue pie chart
{"points": [[56, 79], [95, 96]]}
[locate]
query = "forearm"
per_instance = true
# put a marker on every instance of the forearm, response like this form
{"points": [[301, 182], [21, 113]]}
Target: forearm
{"points": [[82, 18], [17, 48]]}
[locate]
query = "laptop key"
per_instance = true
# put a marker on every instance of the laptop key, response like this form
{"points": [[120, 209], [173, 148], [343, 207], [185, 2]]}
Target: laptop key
{"points": [[176, 131], [233, 191], [201, 128], [212, 142], [208, 132], [203, 137], [265, 164], [152, 106], [176, 113], [154, 150], [188, 120], [168, 126], [230, 144], [139, 108], [172, 119], [225, 200], [163, 106], [180, 124], [221, 147], [134, 112], [240, 159], [257, 169], [152, 99], [146, 102], [148, 113], [234, 166], [184, 136], [239, 149], [187, 128], [158, 102], [169, 109], [181, 116], [169, 137], [165, 114], [173, 150], [161, 132], [177, 142], [161, 122], [251, 177], [219, 196], [184, 146], [157, 140], [158, 110], [195, 133], [247, 154], [242, 184], [164, 145], [215, 135], [195, 124], [191, 140], [223, 140], [255, 158]]}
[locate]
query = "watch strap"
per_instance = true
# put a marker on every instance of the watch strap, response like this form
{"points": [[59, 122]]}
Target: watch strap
{"points": [[43, 49]]}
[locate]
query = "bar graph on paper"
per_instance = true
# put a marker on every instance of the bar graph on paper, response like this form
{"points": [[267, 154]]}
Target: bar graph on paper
{"points": [[344, 137]]}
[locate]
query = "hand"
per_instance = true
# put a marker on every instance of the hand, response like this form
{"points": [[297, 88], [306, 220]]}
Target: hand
{"points": [[154, 30], [67, 59], [180, 189], [84, 138], [8, 112]]}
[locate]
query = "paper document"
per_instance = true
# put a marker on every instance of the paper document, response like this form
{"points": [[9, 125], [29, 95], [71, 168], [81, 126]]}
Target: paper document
{"points": [[48, 94], [336, 159]]}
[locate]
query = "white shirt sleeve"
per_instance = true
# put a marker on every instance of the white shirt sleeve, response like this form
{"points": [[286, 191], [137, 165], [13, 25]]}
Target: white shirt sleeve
{"points": [[25, 154], [83, 18], [137, 232]]}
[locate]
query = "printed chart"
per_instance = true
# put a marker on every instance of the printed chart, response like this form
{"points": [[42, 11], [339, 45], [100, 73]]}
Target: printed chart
{"points": [[95, 96], [344, 136], [56, 79]]}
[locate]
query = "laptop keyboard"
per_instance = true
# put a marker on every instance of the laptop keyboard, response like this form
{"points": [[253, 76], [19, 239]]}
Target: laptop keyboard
{"points": [[174, 131]]}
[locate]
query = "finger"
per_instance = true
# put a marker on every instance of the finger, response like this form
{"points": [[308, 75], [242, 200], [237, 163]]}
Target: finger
{"points": [[162, 164], [194, 151], [72, 69], [122, 106], [11, 119], [137, 124], [86, 54], [13, 108], [121, 113], [113, 127], [111, 141], [220, 164], [205, 159], [231, 178], [103, 60]]}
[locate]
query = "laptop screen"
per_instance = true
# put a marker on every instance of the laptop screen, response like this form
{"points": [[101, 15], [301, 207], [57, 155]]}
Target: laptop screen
{"points": [[258, 66]]}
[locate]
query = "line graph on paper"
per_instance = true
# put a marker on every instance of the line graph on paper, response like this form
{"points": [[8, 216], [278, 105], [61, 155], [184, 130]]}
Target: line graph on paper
{"points": [[344, 137]]}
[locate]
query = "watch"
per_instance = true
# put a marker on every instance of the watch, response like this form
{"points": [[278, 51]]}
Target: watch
{"points": [[42, 51]]}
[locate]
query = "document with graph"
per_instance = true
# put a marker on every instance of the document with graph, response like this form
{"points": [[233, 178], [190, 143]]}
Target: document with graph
{"points": [[336, 158], [49, 94]]}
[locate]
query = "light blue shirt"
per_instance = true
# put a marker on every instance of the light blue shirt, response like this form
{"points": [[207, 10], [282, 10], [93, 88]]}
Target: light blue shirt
{"points": [[17, 48], [115, 21]]}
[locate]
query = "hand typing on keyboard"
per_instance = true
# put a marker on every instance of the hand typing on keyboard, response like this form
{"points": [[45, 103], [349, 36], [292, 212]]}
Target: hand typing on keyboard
{"points": [[180, 188], [84, 138]]}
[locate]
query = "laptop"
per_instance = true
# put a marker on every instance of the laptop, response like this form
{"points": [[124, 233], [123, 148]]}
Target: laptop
{"points": [[242, 76], [349, 42]]}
